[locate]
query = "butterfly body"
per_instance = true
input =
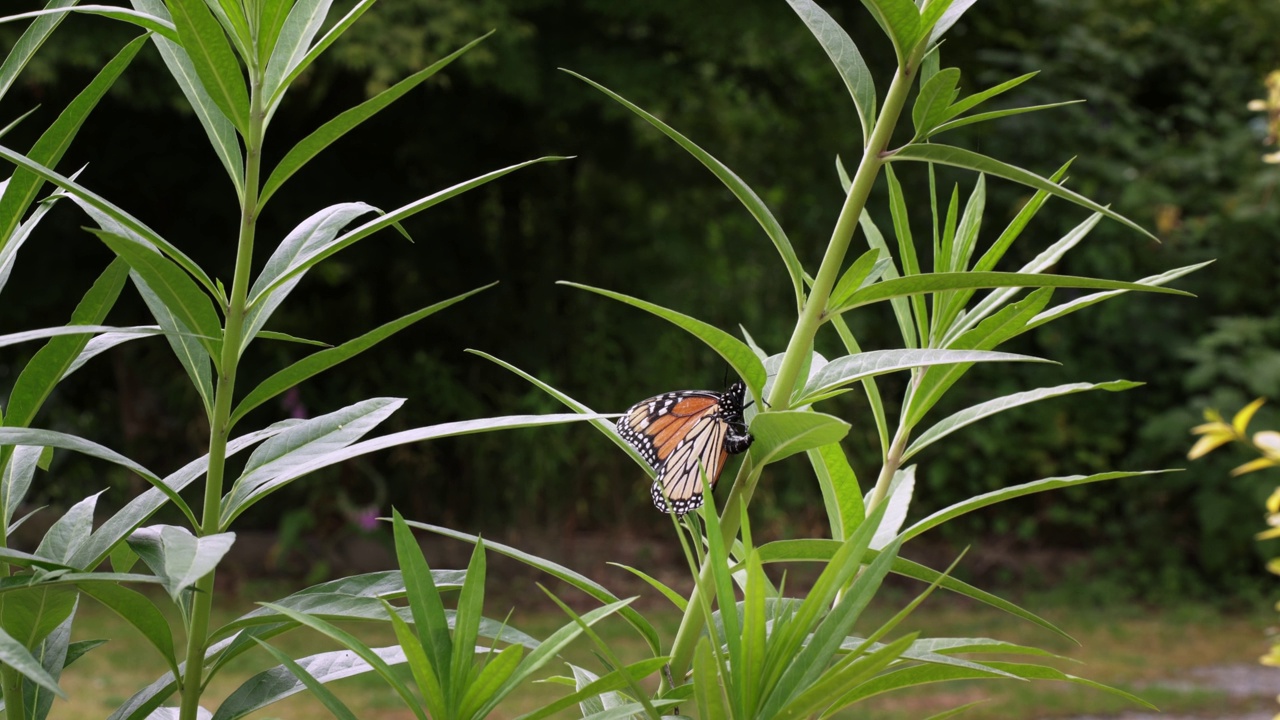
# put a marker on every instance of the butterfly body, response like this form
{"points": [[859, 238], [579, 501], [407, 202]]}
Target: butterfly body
{"points": [[683, 434]]}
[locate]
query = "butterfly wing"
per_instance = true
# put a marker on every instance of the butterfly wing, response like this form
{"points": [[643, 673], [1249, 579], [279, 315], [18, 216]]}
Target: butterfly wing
{"points": [[678, 433]]}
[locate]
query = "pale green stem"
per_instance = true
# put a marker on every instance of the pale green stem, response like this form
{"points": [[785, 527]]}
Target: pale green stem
{"points": [[811, 318], [219, 425]]}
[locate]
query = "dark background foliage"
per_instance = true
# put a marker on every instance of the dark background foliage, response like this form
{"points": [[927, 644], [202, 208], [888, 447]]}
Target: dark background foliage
{"points": [[1165, 137]]}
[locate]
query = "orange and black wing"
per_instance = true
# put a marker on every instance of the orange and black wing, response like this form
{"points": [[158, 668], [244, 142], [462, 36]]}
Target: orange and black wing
{"points": [[680, 434]]}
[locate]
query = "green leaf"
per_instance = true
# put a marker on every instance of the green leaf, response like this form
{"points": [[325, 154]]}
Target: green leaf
{"points": [[189, 349], [996, 115], [556, 643], [990, 333], [363, 651], [143, 20], [285, 337], [734, 351], [977, 412], [424, 602], [32, 38], [958, 157], [583, 583], [953, 12], [676, 598], [17, 657], [900, 20], [143, 506], [53, 361], [822, 550], [605, 684], [274, 13], [310, 236], [1008, 493], [263, 697], [430, 432], [54, 655], [296, 31], [467, 628], [16, 479], [392, 218], [420, 666], [23, 187], [842, 371], [845, 56], [745, 194], [490, 686], [311, 439], [139, 612], [49, 438], [29, 614], [896, 501], [296, 66], [221, 133], [326, 134], [317, 363], [111, 218], [784, 433], [856, 275], [978, 98], [936, 282], [69, 531], [177, 557], [280, 682], [840, 492], [214, 60], [1080, 303], [932, 102], [707, 688], [188, 303]]}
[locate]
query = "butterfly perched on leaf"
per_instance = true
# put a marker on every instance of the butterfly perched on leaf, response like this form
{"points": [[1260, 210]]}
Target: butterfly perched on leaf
{"points": [[684, 434]]}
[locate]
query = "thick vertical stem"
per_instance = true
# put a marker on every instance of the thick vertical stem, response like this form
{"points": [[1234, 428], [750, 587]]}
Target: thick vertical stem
{"points": [[811, 317], [219, 423]]}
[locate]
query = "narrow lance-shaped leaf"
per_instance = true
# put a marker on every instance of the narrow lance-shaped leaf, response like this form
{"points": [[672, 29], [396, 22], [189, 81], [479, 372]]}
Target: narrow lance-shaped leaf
{"points": [[310, 439], [462, 427], [17, 657], [214, 60], [174, 287], [395, 216], [996, 115], [132, 226], [583, 583], [936, 282], [51, 363], [313, 365], [53, 143], [152, 23], [262, 696], [959, 157], [220, 131], [900, 20], [326, 134], [49, 438], [740, 189], [973, 414], [845, 56], [734, 351], [27, 45], [877, 362], [295, 68], [297, 29], [996, 496], [934, 99], [608, 427]]}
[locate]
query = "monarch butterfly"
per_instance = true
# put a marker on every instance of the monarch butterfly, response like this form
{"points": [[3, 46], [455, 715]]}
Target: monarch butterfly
{"points": [[678, 432]]}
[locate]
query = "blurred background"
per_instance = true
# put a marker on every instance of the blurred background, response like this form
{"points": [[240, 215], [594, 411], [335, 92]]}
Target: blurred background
{"points": [[1164, 137]]}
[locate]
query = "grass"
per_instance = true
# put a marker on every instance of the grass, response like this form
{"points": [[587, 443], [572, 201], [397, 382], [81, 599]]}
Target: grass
{"points": [[1124, 645]]}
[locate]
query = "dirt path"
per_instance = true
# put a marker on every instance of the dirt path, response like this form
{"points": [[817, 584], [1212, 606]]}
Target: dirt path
{"points": [[1237, 682]]}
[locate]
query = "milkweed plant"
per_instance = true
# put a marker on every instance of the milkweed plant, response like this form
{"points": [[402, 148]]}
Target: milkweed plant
{"points": [[745, 647]]}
